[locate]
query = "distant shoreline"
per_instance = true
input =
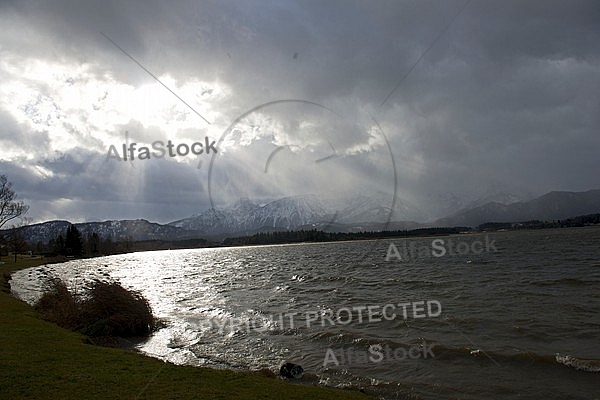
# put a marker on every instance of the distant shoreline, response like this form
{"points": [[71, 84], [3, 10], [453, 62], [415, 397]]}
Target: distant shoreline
{"points": [[316, 236]]}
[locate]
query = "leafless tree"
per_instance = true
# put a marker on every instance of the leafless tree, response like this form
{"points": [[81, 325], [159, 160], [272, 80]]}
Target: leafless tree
{"points": [[10, 208]]}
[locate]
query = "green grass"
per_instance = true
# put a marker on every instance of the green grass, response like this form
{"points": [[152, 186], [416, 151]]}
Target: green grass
{"points": [[39, 360]]}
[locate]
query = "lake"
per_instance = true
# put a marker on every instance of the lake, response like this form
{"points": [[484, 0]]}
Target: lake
{"points": [[519, 318]]}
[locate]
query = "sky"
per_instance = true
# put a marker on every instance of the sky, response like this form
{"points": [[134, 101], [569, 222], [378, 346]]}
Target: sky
{"points": [[435, 103]]}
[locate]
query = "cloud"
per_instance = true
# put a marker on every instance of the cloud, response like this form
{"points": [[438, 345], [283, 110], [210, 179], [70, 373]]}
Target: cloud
{"points": [[504, 101]]}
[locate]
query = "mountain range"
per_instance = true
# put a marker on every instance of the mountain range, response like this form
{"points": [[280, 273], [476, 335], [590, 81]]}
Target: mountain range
{"points": [[133, 230], [551, 206], [361, 213]]}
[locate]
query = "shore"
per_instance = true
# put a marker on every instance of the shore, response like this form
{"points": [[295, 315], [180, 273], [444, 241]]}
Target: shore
{"points": [[43, 361]]}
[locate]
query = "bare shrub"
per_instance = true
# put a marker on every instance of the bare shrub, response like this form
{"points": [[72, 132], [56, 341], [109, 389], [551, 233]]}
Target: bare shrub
{"points": [[106, 309], [117, 311], [58, 305]]}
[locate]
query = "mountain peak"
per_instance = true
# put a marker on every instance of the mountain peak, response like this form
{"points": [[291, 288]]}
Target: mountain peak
{"points": [[550, 206]]}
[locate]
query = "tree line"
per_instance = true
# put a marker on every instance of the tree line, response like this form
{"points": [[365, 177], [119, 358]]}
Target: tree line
{"points": [[578, 221], [314, 235], [71, 243]]}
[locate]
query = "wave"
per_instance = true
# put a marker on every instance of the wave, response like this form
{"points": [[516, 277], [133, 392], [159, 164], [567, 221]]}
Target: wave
{"points": [[564, 281], [578, 363], [525, 357], [461, 354]]}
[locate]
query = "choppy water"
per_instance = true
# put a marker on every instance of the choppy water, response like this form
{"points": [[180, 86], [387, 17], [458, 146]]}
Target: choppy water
{"points": [[523, 321]]}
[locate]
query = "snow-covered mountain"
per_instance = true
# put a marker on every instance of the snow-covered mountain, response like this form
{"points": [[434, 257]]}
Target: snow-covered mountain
{"points": [[441, 205], [376, 209], [135, 230], [499, 197], [245, 216], [357, 213]]}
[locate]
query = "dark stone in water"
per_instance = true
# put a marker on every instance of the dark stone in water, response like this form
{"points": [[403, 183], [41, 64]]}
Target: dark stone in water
{"points": [[291, 370]]}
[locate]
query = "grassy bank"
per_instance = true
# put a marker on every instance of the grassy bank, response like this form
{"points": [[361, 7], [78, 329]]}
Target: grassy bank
{"points": [[39, 360]]}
